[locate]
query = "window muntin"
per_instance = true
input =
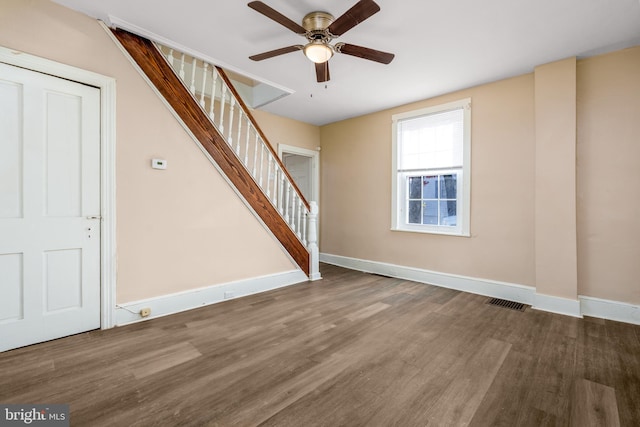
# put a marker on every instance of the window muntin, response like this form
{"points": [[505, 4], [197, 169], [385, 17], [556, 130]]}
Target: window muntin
{"points": [[432, 199], [431, 169]]}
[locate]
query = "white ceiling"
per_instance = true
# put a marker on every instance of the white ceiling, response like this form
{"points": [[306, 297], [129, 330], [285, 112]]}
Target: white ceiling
{"points": [[440, 45]]}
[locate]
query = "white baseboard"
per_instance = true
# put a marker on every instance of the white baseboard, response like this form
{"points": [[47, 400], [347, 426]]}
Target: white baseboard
{"points": [[552, 304], [174, 303], [492, 288], [612, 310], [583, 306]]}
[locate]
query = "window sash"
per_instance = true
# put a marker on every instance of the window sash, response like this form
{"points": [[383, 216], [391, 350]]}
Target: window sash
{"points": [[400, 170], [431, 141], [405, 199]]}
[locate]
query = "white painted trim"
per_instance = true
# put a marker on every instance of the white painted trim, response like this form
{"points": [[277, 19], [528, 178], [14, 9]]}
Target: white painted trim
{"points": [[195, 298], [612, 310], [463, 228], [583, 306], [116, 22], [315, 158], [155, 90], [108, 183], [492, 288], [559, 305], [107, 86]]}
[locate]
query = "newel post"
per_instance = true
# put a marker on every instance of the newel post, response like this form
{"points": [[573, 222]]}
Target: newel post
{"points": [[312, 242]]}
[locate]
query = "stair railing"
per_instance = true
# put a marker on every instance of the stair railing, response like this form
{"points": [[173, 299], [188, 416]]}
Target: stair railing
{"points": [[211, 88]]}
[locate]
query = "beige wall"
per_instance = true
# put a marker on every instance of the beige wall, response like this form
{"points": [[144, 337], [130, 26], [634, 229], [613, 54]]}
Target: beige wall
{"points": [[356, 190], [588, 237], [170, 240], [282, 130], [609, 176], [555, 184], [178, 229]]}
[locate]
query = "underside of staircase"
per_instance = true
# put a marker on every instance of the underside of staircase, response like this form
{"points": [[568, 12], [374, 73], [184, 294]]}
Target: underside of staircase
{"points": [[151, 61]]}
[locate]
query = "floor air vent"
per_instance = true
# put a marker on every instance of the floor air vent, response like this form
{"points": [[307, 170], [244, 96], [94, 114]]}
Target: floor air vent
{"points": [[512, 305]]}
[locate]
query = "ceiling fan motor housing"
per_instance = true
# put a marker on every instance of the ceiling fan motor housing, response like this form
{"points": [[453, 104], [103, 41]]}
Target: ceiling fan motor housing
{"points": [[316, 24], [317, 21]]}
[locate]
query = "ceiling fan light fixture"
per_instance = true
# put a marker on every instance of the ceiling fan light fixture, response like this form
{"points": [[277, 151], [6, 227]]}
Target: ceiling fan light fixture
{"points": [[318, 51]]}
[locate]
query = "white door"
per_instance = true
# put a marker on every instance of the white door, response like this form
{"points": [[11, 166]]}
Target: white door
{"points": [[49, 207]]}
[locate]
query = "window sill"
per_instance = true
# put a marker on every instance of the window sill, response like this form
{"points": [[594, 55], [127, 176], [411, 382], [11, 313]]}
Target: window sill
{"points": [[442, 233]]}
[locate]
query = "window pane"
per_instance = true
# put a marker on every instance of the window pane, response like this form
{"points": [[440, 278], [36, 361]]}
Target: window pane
{"points": [[448, 186], [432, 141], [414, 211], [430, 213], [430, 187], [448, 210], [414, 187]]}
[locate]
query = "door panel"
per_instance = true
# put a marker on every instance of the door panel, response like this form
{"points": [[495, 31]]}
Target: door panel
{"points": [[11, 150], [11, 301], [63, 155], [62, 279], [49, 187]]}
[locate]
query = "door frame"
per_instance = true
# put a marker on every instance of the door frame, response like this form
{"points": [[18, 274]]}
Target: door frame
{"points": [[315, 161], [107, 86]]}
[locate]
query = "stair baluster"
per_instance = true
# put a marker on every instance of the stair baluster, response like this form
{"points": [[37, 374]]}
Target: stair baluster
{"points": [[204, 84], [268, 174], [246, 146], [281, 191], [232, 104], [286, 205], [212, 96], [239, 134], [223, 101], [299, 227], [255, 155], [192, 87], [181, 74]]}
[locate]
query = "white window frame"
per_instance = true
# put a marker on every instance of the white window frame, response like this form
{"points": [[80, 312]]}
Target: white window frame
{"points": [[398, 185]]}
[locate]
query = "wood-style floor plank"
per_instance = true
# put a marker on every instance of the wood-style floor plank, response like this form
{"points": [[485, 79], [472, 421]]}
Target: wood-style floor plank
{"points": [[159, 360], [460, 400], [593, 405], [353, 349]]}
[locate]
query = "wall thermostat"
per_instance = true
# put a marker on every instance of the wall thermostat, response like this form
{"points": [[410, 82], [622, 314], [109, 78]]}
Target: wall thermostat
{"points": [[158, 163]]}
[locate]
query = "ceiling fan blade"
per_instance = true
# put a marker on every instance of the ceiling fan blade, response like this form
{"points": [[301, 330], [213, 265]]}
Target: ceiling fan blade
{"points": [[352, 17], [267, 11], [276, 52], [365, 52], [322, 72]]}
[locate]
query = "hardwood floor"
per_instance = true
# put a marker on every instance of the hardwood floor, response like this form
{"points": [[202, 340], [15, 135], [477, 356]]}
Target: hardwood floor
{"points": [[353, 349]]}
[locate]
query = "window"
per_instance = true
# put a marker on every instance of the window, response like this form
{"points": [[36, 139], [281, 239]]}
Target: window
{"points": [[431, 169]]}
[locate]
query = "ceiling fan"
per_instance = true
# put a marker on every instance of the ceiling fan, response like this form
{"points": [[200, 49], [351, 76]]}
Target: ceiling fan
{"points": [[319, 28]]}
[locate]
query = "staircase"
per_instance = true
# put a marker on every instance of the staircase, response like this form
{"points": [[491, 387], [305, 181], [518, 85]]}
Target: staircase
{"points": [[203, 97]]}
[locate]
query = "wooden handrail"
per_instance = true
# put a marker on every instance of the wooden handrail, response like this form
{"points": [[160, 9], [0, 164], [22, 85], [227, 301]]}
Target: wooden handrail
{"points": [[262, 135]]}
